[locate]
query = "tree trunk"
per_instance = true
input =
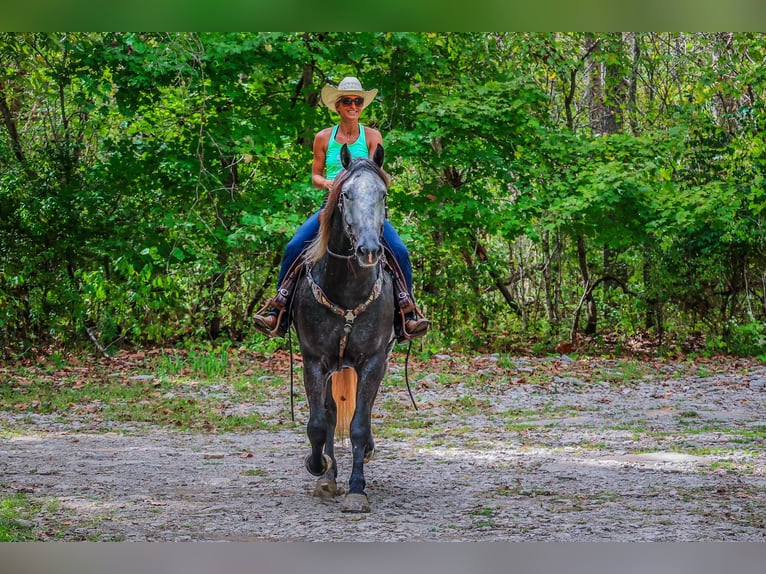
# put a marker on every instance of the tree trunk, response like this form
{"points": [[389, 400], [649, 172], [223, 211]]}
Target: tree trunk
{"points": [[633, 84], [481, 253], [551, 280], [725, 105], [591, 314], [218, 280]]}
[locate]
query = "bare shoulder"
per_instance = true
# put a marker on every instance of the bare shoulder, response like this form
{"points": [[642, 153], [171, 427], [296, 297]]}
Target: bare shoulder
{"points": [[373, 137], [322, 139], [323, 135]]}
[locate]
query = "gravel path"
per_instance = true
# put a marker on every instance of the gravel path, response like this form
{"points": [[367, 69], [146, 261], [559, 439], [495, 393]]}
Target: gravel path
{"points": [[674, 458]]}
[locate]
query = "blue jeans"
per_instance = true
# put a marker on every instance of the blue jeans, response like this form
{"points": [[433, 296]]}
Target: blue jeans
{"points": [[308, 231]]}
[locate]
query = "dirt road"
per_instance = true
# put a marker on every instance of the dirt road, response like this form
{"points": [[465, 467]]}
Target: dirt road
{"points": [[489, 456]]}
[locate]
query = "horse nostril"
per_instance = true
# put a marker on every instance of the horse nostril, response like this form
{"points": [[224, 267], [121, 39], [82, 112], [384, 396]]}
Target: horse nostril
{"points": [[369, 255]]}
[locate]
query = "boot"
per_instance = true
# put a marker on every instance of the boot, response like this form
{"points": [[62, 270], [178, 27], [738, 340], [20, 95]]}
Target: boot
{"points": [[415, 326], [272, 322], [409, 325], [409, 322]]}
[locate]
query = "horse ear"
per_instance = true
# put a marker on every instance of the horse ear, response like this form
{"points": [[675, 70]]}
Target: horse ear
{"points": [[345, 156], [377, 155]]}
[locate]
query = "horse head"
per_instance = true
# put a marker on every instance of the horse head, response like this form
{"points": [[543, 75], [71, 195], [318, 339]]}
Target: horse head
{"points": [[362, 204]]}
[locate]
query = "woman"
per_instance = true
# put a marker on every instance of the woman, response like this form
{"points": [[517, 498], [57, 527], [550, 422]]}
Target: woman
{"points": [[347, 100]]}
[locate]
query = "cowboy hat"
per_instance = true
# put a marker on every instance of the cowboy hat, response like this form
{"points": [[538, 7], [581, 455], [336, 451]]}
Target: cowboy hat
{"points": [[347, 86]]}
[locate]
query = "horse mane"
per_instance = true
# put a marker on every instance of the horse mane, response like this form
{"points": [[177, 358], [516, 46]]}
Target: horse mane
{"points": [[318, 247]]}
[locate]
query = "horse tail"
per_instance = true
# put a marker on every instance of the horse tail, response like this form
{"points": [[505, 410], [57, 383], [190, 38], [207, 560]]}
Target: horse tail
{"points": [[344, 394]]}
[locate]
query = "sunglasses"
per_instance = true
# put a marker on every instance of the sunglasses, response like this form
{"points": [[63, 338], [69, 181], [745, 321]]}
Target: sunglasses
{"points": [[348, 101]]}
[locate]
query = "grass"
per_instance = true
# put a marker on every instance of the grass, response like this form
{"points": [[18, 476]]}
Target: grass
{"points": [[483, 518], [622, 372], [164, 403], [19, 516], [189, 390]]}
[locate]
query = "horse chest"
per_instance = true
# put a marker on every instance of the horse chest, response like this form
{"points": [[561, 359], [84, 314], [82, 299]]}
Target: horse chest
{"points": [[334, 330]]}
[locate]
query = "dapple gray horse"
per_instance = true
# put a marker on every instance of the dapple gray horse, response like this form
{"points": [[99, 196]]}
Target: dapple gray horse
{"points": [[343, 314]]}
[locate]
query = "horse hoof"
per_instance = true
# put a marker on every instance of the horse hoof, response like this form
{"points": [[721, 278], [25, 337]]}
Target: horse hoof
{"points": [[355, 503], [325, 459], [326, 489], [369, 455]]}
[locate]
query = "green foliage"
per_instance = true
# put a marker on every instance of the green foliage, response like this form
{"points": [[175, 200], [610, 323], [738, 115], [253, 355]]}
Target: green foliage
{"points": [[151, 180]]}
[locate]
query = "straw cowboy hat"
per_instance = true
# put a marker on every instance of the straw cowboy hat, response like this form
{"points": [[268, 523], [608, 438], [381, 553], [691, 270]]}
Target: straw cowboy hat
{"points": [[347, 86]]}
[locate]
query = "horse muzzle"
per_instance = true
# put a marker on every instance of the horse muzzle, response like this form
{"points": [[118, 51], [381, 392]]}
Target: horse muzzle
{"points": [[368, 255]]}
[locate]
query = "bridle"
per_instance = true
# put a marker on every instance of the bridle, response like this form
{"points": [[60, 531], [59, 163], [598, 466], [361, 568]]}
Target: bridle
{"points": [[342, 196]]}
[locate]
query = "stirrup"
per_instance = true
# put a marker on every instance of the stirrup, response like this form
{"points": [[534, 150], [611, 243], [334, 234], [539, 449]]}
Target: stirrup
{"points": [[400, 325], [279, 329]]}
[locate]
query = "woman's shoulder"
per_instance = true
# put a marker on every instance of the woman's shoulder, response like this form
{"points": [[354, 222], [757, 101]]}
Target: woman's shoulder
{"points": [[323, 136], [372, 136], [325, 133]]}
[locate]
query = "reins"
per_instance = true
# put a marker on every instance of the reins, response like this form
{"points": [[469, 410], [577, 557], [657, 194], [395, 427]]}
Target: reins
{"points": [[338, 255], [406, 375]]}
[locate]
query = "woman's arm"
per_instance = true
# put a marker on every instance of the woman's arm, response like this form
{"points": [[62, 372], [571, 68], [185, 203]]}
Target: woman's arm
{"points": [[318, 179]]}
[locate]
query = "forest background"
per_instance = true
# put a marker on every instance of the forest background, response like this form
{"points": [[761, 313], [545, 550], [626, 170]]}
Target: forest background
{"points": [[584, 187]]}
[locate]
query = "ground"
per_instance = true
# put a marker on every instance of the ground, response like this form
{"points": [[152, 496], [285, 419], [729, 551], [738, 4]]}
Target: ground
{"points": [[501, 448]]}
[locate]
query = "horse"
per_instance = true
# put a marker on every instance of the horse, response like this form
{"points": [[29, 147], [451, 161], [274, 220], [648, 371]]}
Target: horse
{"points": [[343, 312]]}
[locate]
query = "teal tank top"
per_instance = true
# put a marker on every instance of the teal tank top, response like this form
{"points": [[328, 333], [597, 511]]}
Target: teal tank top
{"points": [[332, 163]]}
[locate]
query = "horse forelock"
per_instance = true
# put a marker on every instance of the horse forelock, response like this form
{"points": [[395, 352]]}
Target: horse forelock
{"points": [[318, 247]]}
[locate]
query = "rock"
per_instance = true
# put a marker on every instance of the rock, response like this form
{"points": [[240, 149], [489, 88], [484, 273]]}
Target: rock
{"points": [[568, 381]]}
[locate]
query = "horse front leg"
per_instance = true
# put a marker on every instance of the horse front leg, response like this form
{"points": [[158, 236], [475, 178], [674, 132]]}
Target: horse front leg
{"points": [[317, 428], [326, 486], [362, 443], [320, 428]]}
